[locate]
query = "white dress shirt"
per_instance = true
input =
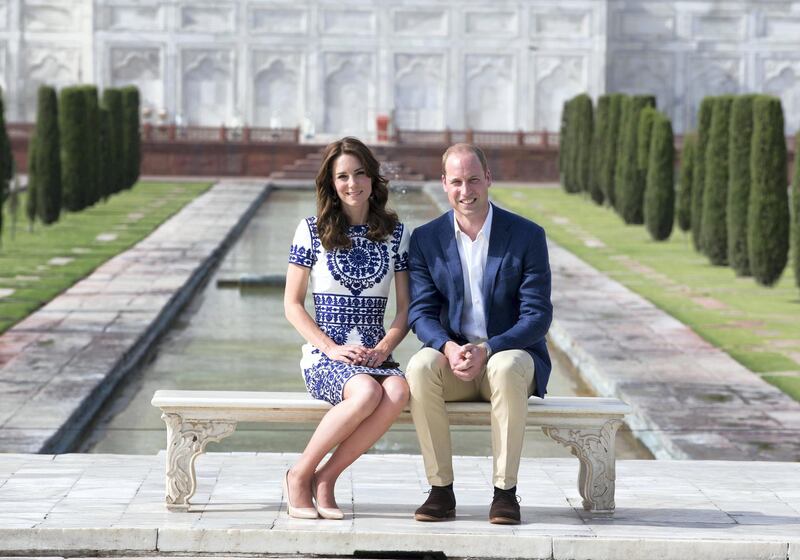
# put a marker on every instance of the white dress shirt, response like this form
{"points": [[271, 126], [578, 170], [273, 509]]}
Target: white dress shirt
{"points": [[473, 263]]}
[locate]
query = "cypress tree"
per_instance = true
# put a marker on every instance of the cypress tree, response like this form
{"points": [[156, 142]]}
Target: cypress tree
{"points": [[684, 207], [6, 161], [585, 118], [630, 191], [699, 178], [714, 233], [32, 195], [45, 166], [659, 198], [768, 208], [610, 148], [131, 135], [92, 125], [741, 135], [571, 172], [104, 169], [796, 206], [112, 100], [598, 148], [646, 118], [71, 120], [620, 169]]}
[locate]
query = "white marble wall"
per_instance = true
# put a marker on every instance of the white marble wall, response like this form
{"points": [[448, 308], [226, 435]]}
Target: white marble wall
{"points": [[337, 64]]}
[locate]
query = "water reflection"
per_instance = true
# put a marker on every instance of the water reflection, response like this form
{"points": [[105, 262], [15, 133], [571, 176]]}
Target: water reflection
{"points": [[238, 339]]}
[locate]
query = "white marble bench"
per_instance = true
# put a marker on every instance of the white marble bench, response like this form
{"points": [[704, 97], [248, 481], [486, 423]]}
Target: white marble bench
{"points": [[586, 425]]}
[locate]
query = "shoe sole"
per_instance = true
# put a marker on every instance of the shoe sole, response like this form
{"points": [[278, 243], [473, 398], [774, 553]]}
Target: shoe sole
{"points": [[425, 517], [504, 521]]}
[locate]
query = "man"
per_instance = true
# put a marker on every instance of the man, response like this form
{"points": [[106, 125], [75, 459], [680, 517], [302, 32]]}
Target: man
{"points": [[480, 303]]}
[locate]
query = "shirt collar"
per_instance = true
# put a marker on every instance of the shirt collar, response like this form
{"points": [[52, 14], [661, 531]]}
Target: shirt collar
{"points": [[486, 228]]}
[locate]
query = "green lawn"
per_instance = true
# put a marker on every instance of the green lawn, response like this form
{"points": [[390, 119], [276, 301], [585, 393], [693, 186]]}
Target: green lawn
{"points": [[37, 265], [758, 326]]}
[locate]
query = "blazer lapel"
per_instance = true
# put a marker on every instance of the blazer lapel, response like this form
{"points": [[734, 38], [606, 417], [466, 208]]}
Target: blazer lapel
{"points": [[498, 241], [447, 238]]}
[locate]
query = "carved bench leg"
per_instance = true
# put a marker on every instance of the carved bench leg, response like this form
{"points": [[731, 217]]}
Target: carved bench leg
{"points": [[186, 439], [594, 449]]}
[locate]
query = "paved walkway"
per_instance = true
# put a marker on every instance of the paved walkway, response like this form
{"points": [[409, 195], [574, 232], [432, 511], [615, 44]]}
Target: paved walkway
{"points": [[665, 509], [58, 365]]}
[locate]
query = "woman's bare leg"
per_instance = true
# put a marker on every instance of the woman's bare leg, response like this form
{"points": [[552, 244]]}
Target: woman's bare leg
{"points": [[362, 394], [394, 398]]}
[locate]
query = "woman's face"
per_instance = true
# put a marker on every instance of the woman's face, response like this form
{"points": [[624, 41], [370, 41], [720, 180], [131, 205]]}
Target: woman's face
{"points": [[351, 182]]}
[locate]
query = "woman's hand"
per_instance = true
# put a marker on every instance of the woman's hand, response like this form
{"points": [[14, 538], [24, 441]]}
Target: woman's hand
{"points": [[347, 353], [375, 356]]}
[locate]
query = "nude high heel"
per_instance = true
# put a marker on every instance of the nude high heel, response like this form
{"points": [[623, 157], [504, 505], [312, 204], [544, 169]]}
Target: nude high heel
{"points": [[297, 513], [324, 512]]}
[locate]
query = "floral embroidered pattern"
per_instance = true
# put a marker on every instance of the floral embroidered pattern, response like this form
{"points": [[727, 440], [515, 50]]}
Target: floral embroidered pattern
{"points": [[361, 266]]}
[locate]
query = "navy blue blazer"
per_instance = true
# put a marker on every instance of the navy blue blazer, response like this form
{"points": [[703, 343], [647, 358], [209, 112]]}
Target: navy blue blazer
{"points": [[516, 288]]}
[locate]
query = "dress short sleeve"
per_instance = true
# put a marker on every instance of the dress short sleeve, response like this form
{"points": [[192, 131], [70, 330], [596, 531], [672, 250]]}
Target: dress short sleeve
{"points": [[400, 240], [302, 250]]}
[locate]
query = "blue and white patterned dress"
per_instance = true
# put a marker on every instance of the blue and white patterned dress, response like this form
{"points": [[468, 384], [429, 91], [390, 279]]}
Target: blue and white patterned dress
{"points": [[350, 289]]}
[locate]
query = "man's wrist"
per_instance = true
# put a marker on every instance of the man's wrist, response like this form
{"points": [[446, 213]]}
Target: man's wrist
{"points": [[487, 349]]}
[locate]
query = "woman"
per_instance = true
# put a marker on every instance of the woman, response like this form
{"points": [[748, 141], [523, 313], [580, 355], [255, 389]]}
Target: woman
{"points": [[351, 250]]}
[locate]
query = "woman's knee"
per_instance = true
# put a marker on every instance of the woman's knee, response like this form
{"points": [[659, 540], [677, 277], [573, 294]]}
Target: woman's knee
{"points": [[364, 391], [396, 391]]}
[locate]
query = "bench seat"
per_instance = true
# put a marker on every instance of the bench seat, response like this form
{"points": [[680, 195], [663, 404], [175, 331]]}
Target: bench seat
{"points": [[586, 425]]}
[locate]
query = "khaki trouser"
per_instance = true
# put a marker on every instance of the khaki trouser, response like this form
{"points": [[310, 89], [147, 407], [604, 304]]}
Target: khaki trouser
{"points": [[505, 382]]}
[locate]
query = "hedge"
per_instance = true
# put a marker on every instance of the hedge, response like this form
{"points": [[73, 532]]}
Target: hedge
{"points": [[104, 174], [71, 123], [33, 196], [584, 125], [45, 163], [6, 161], [91, 113], [768, 207], [714, 231], [599, 148], [684, 205], [629, 189], [699, 179], [646, 118], [796, 205], [131, 138], [112, 101], [741, 135], [659, 199], [610, 147]]}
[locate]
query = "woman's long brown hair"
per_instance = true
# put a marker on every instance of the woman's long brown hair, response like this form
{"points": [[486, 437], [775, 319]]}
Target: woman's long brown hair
{"points": [[332, 224]]}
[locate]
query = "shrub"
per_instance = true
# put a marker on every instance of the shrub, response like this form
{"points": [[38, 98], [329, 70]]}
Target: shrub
{"points": [[610, 147], [112, 101], [768, 208], [72, 120], [646, 118], [33, 197], [699, 179], [6, 161], [584, 117], [796, 206], [92, 159], [741, 135], [630, 189], [620, 169], [45, 163], [598, 148], [659, 198], [131, 145], [714, 233], [684, 206], [104, 175], [572, 183]]}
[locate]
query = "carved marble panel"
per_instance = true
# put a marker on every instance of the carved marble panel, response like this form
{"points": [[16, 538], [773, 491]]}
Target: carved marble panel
{"points": [[131, 17], [489, 79], [352, 21], [556, 79], [719, 27], [561, 23], [420, 22], [649, 22], [419, 86], [3, 14], [644, 73], [50, 16], [781, 77], [502, 23], [142, 67], [349, 92], [711, 76], [207, 18], [52, 65], [780, 27], [207, 86], [276, 89], [278, 21]]}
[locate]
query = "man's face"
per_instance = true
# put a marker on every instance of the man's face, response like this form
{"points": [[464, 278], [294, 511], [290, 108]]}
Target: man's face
{"points": [[466, 185]]}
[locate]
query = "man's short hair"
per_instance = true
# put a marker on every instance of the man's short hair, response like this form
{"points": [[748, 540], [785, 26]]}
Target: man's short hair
{"points": [[464, 147]]}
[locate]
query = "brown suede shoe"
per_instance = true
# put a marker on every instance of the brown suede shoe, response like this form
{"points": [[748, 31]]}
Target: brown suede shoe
{"points": [[505, 507], [440, 505]]}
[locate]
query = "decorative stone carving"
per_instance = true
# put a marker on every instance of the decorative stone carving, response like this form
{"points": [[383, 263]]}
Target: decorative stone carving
{"points": [[207, 87], [718, 27], [782, 79], [780, 27], [57, 67], [557, 78], [276, 90], [349, 92], [3, 14], [350, 21], [492, 23], [711, 76], [650, 21], [207, 19], [644, 73], [142, 67], [421, 22], [186, 439], [561, 23], [134, 18], [419, 92], [278, 21], [594, 448], [490, 83], [50, 17]]}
